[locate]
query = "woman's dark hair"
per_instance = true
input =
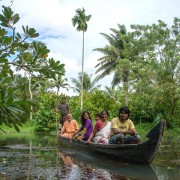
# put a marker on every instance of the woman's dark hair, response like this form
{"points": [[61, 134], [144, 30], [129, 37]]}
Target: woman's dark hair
{"points": [[82, 117], [105, 112], [98, 115], [125, 109]]}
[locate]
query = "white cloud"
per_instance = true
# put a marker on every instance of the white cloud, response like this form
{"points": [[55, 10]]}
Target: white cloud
{"points": [[52, 19]]}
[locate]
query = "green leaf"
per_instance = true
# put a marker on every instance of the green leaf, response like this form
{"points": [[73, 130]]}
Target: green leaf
{"points": [[24, 30], [15, 18], [18, 35], [3, 60], [3, 32], [16, 128], [4, 24], [10, 100], [7, 12]]}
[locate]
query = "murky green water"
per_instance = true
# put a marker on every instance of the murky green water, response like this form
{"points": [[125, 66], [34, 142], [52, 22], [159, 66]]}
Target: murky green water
{"points": [[37, 157]]}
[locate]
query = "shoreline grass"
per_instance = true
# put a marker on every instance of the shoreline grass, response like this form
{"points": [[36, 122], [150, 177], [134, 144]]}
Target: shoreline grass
{"points": [[29, 127]]}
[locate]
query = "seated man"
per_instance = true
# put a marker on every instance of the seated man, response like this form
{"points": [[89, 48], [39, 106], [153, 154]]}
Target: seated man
{"points": [[122, 129], [70, 127]]}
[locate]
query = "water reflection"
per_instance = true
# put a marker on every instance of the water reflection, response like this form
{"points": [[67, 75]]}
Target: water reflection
{"points": [[167, 162], [70, 170], [37, 157], [105, 169]]}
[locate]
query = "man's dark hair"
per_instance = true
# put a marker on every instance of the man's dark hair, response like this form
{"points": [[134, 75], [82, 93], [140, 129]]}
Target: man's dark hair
{"points": [[125, 109]]}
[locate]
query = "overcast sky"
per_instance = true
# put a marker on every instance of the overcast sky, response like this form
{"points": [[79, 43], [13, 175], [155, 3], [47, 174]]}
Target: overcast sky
{"points": [[52, 20]]}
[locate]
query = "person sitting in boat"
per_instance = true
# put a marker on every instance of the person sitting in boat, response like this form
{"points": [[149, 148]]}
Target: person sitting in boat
{"points": [[98, 117], [70, 127], [122, 129], [86, 129], [101, 131]]}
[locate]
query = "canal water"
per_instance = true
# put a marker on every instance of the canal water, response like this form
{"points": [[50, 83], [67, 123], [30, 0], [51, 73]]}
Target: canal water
{"points": [[26, 156]]}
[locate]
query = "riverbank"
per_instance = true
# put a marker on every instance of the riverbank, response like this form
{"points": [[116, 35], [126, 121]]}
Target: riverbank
{"points": [[29, 127]]}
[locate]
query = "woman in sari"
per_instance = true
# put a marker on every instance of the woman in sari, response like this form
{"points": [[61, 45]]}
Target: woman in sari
{"points": [[101, 131]]}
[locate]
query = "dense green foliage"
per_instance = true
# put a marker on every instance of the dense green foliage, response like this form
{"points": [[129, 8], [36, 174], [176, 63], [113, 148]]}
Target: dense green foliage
{"points": [[161, 47], [94, 103], [45, 117], [20, 52], [145, 63]]}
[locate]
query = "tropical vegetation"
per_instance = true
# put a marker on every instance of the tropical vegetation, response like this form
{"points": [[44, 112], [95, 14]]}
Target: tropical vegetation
{"points": [[89, 84], [145, 63], [19, 52]]}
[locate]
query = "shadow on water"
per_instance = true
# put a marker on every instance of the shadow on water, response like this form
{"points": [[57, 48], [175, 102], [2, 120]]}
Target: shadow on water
{"points": [[37, 157]]}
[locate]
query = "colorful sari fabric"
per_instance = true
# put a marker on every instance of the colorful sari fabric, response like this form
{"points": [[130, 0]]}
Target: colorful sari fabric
{"points": [[103, 133]]}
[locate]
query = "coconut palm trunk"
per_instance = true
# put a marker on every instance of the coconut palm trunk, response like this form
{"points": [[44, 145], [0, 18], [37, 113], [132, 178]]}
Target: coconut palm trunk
{"points": [[126, 93], [82, 89]]}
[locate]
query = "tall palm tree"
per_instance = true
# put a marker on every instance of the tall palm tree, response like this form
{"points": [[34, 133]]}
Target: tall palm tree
{"points": [[117, 57], [88, 84], [80, 19]]}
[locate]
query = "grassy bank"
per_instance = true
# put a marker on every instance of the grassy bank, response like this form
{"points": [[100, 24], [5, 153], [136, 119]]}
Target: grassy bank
{"points": [[26, 128], [142, 129]]}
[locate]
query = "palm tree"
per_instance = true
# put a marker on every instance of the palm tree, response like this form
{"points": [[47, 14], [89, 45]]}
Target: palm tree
{"points": [[58, 82], [80, 19], [117, 58], [89, 86], [111, 92]]}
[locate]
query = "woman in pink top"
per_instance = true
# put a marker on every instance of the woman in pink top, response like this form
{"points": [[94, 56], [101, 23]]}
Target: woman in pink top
{"points": [[70, 127]]}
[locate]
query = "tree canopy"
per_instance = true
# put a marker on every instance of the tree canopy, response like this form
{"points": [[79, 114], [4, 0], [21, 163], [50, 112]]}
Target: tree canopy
{"points": [[20, 52], [147, 61]]}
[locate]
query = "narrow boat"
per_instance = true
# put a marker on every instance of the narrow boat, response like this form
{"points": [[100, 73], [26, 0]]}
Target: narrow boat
{"points": [[142, 153]]}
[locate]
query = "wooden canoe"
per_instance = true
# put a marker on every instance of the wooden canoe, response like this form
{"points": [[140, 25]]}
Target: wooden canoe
{"points": [[142, 153]]}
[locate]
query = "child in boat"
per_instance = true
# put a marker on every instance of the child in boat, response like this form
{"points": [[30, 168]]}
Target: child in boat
{"points": [[122, 129], [98, 117], [101, 131], [86, 129], [70, 127]]}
